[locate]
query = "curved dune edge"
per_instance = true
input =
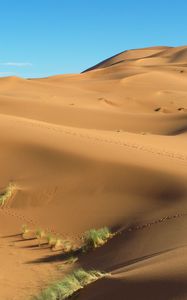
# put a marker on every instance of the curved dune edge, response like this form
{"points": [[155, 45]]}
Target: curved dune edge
{"points": [[106, 147]]}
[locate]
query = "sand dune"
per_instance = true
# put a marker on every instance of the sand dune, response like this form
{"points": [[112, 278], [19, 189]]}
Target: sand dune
{"points": [[106, 147]]}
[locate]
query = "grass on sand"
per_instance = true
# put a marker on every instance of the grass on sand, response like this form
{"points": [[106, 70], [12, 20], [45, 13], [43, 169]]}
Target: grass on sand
{"points": [[7, 194], [72, 283], [95, 238]]}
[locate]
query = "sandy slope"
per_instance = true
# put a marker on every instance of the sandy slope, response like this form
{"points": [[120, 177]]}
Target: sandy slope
{"points": [[105, 147]]}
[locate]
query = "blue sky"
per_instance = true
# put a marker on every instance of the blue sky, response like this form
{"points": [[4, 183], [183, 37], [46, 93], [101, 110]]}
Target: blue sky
{"points": [[46, 37]]}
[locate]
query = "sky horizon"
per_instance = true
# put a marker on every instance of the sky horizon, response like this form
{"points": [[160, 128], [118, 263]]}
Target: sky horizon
{"points": [[46, 38]]}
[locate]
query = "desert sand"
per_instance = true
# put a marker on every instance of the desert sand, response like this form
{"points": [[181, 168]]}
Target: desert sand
{"points": [[107, 147]]}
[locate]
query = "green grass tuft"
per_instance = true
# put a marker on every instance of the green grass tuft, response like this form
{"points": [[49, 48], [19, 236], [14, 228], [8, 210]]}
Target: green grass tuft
{"points": [[85, 277], [7, 194], [69, 285], [96, 238]]}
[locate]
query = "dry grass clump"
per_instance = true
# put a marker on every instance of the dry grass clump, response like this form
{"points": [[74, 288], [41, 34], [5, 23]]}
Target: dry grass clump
{"points": [[71, 260], [69, 285], [56, 243], [92, 239], [50, 239], [68, 247], [25, 232], [40, 235], [95, 238], [7, 194]]}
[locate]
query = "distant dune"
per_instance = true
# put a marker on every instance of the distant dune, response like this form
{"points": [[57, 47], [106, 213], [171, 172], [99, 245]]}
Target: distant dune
{"points": [[107, 147]]}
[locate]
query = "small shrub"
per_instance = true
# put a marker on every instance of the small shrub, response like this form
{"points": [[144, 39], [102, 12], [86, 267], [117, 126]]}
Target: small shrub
{"points": [[58, 245], [64, 245], [7, 194], [51, 240], [67, 247], [40, 235], [25, 231], [96, 238]]}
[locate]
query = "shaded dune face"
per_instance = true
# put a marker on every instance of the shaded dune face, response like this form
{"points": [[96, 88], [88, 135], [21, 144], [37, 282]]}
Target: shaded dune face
{"points": [[106, 147], [104, 192]]}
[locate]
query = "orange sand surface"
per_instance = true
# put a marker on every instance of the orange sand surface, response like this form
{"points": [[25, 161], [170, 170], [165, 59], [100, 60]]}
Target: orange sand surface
{"points": [[107, 147]]}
